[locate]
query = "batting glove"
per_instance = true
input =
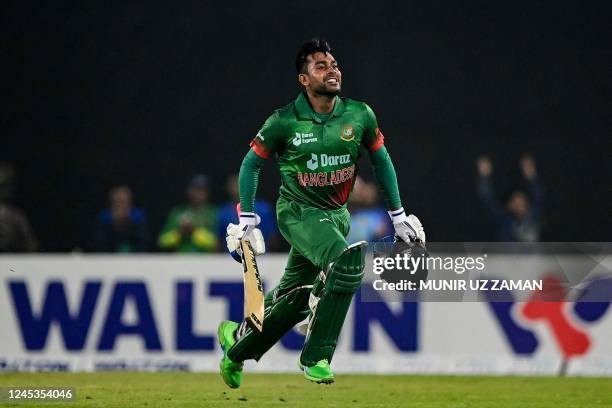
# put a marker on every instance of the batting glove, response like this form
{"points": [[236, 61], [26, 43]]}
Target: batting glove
{"points": [[246, 229], [408, 229]]}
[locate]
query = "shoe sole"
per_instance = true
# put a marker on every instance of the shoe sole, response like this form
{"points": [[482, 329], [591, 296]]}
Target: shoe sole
{"points": [[326, 381]]}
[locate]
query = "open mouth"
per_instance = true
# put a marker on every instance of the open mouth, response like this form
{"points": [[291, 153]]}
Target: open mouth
{"points": [[332, 81]]}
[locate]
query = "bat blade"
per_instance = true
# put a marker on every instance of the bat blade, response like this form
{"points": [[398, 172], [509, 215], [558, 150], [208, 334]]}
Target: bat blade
{"points": [[253, 289]]}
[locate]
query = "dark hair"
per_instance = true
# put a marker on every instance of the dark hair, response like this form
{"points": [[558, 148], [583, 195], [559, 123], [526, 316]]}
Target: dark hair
{"points": [[308, 48]]}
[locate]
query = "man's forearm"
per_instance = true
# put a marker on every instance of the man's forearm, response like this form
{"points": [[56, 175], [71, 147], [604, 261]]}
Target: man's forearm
{"points": [[386, 178], [248, 180]]}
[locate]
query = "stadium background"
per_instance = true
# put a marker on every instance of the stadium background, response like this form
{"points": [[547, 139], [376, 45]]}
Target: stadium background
{"points": [[135, 92], [131, 92]]}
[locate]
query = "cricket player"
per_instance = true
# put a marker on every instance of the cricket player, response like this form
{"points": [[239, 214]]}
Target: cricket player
{"points": [[316, 140]]}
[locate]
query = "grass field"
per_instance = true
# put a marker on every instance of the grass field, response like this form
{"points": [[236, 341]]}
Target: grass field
{"points": [[289, 390]]}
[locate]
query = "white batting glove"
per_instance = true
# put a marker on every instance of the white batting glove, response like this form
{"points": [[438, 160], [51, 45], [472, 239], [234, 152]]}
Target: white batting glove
{"points": [[247, 229], [408, 229]]}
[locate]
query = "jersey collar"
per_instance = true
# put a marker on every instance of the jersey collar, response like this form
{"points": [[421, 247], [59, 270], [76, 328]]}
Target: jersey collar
{"points": [[304, 110]]}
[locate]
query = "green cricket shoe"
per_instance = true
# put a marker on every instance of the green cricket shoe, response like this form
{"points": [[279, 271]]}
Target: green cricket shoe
{"points": [[231, 372], [319, 373]]}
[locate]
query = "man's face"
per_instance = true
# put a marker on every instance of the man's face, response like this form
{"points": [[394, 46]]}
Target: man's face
{"points": [[121, 204], [197, 195], [322, 74], [518, 205]]}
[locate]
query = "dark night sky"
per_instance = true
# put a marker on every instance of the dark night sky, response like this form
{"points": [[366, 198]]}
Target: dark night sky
{"points": [[99, 93]]}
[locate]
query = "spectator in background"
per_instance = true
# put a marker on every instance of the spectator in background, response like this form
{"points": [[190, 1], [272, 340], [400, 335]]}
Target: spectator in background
{"points": [[369, 221], [121, 227], [228, 214], [15, 232], [520, 219], [191, 227]]}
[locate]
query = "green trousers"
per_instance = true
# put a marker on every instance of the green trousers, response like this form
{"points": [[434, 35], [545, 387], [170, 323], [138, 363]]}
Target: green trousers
{"points": [[316, 237]]}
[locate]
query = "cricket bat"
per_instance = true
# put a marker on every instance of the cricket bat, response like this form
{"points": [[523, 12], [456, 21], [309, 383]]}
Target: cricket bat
{"points": [[253, 290]]}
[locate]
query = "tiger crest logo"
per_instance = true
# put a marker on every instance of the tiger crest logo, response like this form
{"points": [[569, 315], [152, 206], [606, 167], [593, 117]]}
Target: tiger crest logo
{"points": [[347, 134]]}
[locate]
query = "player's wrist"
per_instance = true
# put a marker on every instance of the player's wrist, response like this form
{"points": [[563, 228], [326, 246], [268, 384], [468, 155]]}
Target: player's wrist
{"points": [[249, 218], [398, 215]]}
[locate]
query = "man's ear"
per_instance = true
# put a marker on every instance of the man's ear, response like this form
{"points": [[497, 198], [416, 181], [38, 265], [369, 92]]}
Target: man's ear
{"points": [[303, 79]]}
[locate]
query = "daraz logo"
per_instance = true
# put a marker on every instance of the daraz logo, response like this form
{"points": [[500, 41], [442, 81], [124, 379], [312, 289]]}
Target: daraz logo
{"points": [[313, 163], [327, 160]]}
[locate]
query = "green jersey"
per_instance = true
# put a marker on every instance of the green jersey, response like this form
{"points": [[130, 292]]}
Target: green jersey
{"points": [[317, 153]]}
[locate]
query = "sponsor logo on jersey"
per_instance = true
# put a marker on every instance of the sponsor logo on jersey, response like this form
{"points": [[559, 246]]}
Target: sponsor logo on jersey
{"points": [[347, 133], [313, 163], [324, 160], [303, 138], [329, 178]]}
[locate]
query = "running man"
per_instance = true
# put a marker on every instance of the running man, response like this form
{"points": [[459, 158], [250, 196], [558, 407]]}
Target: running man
{"points": [[316, 141]]}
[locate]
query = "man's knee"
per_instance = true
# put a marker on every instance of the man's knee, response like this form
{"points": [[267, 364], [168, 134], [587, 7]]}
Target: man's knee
{"points": [[344, 274]]}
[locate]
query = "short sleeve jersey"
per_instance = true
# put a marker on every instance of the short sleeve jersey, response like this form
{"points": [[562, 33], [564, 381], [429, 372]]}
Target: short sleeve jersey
{"points": [[317, 156]]}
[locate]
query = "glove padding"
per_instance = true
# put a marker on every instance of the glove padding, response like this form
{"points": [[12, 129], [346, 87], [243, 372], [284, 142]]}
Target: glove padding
{"points": [[414, 250], [236, 233], [408, 229]]}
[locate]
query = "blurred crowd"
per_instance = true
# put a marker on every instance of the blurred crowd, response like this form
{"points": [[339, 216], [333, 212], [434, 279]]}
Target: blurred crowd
{"points": [[518, 215], [198, 226], [194, 226], [15, 232]]}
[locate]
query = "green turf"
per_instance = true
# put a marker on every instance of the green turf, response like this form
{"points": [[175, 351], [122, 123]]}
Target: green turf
{"points": [[282, 390]]}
